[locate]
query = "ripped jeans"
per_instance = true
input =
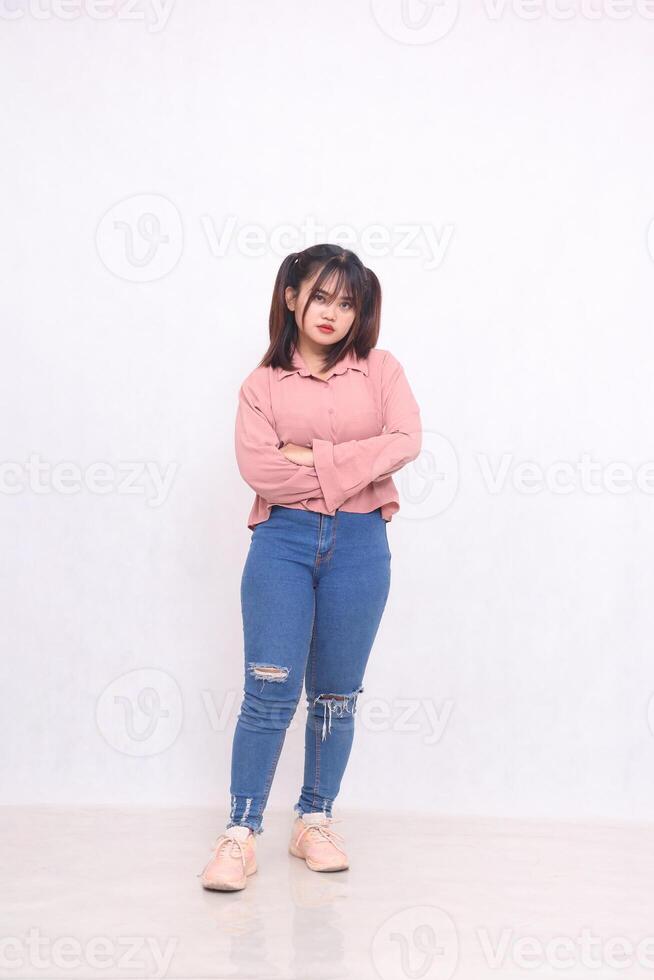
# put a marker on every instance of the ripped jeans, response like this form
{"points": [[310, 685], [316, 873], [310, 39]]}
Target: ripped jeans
{"points": [[313, 591]]}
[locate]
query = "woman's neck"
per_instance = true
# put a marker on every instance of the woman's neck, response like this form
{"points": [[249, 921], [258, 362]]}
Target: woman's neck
{"points": [[314, 359]]}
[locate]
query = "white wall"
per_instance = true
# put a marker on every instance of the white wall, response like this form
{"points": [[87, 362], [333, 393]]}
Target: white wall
{"points": [[518, 153]]}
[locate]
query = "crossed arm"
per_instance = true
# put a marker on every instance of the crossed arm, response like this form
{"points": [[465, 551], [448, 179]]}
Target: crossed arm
{"points": [[339, 470]]}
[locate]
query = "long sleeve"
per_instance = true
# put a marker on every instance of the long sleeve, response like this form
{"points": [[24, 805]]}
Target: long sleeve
{"points": [[345, 468], [260, 462]]}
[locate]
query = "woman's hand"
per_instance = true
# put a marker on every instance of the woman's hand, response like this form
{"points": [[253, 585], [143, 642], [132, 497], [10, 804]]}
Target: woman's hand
{"points": [[298, 454]]}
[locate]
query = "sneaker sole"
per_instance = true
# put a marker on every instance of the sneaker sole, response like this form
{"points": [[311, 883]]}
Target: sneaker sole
{"points": [[310, 864], [228, 886]]}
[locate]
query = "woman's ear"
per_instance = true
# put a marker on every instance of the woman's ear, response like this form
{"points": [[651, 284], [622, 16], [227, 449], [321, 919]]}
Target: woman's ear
{"points": [[290, 295]]}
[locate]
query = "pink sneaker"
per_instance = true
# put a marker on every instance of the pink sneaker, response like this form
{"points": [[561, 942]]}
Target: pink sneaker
{"points": [[313, 839], [233, 859]]}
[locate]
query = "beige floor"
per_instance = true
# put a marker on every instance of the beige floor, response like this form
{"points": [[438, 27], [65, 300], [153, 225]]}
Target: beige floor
{"points": [[114, 894]]}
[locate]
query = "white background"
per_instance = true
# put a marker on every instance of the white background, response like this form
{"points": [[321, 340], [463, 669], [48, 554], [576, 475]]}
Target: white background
{"points": [[524, 144]]}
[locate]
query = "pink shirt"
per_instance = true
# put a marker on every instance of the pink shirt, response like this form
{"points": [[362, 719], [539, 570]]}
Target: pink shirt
{"points": [[362, 422]]}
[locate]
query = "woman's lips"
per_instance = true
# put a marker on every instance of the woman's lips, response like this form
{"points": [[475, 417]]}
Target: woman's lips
{"points": [[325, 328]]}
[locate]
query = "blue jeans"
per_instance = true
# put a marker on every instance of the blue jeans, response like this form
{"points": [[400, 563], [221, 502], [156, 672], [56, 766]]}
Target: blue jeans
{"points": [[313, 591]]}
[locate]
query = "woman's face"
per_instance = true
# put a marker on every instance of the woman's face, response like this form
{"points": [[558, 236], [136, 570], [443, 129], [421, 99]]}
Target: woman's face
{"points": [[337, 313]]}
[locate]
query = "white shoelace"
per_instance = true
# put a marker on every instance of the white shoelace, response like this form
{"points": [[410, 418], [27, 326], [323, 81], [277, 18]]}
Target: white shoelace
{"points": [[219, 843], [324, 833]]}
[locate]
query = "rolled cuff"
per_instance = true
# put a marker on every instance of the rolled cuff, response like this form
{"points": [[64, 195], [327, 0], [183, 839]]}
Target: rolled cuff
{"points": [[334, 480]]}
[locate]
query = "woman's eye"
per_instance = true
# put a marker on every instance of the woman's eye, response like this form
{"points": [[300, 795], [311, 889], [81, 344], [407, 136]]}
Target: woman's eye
{"points": [[320, 298]]}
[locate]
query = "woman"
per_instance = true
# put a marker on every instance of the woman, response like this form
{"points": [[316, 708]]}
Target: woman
{"points": [[322, 423]]}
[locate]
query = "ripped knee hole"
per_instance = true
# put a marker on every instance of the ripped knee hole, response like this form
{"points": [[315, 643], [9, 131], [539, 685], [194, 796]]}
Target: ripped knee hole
{"points": [[268, 672], [337, 705]]}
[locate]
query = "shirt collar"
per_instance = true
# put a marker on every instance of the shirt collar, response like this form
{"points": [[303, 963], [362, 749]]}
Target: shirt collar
{"points": [[349, 361]]}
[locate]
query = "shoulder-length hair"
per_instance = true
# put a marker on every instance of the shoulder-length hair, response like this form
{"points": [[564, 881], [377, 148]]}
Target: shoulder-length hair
{"points": [[361, 284]]}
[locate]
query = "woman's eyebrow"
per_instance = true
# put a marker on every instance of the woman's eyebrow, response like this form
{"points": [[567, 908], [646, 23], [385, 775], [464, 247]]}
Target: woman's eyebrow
{"points": [[324, 291]]}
